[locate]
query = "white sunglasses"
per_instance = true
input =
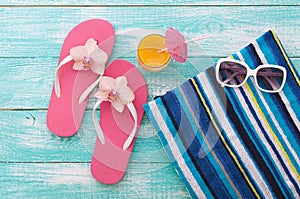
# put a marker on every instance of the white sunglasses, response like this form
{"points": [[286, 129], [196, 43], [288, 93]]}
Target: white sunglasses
{"points": [[233, 73]]}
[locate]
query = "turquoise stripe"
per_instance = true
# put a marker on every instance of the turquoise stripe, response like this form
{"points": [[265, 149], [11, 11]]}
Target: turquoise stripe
{"points": [[264, 151], [272, 106], [168, 149], [266, 51], [286, 89], [182, 149], [271, 103], [279, 117], [210, 157], [190, 189], [188, 114], [241, 111], [236, 132]]}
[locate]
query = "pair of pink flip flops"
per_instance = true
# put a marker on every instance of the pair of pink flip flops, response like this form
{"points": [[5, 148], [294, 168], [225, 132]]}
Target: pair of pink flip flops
{"points": [[121, 95]]}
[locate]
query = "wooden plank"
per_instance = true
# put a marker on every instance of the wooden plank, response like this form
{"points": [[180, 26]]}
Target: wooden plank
{"points": [[38, 74], [143, 2], [74, 180], [38, 32], [26, 131], [24, 137]]}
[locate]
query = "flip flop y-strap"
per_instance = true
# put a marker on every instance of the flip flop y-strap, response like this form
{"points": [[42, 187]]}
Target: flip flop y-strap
{"points": [[87, 57], [120, 95], [100, 133]]}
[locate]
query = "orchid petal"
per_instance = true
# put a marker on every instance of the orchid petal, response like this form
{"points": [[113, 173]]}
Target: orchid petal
{"points": [[106, 83], [101, 95], [117, 104], [121, 82], [99, 58], [126, 95], [78, 66], [99, 69], [90, 45], [78, 53]]}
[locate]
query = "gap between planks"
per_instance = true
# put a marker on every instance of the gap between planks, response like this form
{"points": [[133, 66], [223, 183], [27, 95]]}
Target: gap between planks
{"points": [[141, 5]]}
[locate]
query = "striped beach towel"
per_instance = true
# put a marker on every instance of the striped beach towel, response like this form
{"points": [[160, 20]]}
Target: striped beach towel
{"points": [[234, 142]]}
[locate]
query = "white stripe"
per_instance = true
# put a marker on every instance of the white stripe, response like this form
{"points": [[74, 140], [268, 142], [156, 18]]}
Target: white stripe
{"points": [[239, 147], [290, 109], [281, 93], [271, 113], [260, 53], [175, 150], [240, 56], [261, 134]]}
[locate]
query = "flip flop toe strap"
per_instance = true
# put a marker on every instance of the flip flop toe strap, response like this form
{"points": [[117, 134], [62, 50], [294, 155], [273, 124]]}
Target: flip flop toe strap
{"points": [[56, 81], [87, 57], [100, 133]]}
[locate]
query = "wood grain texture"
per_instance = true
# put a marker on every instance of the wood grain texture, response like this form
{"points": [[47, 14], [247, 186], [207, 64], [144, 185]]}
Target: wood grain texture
{"points": [[36, 164], [148, 2], [28, 81], [73, 180], [24, 137], [41, 33]]}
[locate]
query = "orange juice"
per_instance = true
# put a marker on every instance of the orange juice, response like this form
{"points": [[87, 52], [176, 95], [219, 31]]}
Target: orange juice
{"points": [[148, 54]]}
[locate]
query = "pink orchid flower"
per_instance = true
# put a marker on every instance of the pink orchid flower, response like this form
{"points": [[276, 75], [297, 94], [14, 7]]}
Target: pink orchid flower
{"points": [[89, 57], [115, 91]]}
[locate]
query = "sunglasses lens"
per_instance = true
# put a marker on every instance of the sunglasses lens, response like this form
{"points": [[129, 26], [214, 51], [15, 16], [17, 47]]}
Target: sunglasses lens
{"points": [[270, 79], [231, 73]]}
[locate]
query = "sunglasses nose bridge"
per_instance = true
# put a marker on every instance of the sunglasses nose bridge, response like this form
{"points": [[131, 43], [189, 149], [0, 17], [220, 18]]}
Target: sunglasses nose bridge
{"points": [[251, 72]]}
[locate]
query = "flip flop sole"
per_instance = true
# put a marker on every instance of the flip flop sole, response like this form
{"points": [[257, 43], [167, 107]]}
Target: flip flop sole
{"points": [[110, 161], [65, 114]]}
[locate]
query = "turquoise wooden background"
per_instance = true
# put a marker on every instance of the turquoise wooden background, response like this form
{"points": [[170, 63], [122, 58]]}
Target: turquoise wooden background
{"points": [[34, 162]]}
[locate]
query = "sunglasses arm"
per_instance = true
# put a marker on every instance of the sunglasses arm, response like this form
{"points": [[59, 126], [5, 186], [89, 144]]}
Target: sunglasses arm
{"points": [[272, 83], [273, 74]]}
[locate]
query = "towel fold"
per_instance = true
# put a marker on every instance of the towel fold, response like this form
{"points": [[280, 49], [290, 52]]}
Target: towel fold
{"points": [[234, 142]]}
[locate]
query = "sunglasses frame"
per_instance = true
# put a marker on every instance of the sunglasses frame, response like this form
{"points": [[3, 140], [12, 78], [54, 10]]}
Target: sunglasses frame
{"points": [[250, 72]]}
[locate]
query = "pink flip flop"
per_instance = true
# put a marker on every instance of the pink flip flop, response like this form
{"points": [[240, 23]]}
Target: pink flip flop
{"points": [[121, 95], [84, 53]]}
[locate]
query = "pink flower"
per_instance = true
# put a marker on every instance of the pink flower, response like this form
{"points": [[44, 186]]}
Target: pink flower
{"points": [[115, 91], [89, 57]]}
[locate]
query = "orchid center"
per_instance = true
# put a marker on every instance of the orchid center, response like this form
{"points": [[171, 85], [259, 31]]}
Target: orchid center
{"points": [[87, 62], [112, 95]]}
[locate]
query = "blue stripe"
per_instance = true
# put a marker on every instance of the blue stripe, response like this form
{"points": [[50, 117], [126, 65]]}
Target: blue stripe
{"points": [[168, 150], [253, 135], [292, 136], [283, 121], [182, 150], [235, 123], [292, 92], [273, 97], [210, 133], [187, 136], [280, 60], [279, 107], [289, 91], [270, 98], [243, 116], [219, 149], [247, 127]]}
